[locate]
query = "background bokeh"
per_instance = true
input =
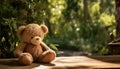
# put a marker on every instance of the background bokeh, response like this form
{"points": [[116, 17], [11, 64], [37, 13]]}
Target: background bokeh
{"points": [[80, 25]]}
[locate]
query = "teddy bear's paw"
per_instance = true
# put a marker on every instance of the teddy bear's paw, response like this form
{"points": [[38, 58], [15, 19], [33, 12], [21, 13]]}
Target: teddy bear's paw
{"points": [[25, 59], [47, 57]]}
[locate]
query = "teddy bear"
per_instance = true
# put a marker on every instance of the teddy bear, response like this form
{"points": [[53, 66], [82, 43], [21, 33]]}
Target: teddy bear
{"points": [[32, 48]]}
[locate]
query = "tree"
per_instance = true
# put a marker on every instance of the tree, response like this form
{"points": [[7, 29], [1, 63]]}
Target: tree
{"points": [[85, 3], [117, 15]]}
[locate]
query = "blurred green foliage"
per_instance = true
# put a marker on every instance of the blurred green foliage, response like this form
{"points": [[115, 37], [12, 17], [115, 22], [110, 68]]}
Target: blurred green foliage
{"points": [[65, 19]]}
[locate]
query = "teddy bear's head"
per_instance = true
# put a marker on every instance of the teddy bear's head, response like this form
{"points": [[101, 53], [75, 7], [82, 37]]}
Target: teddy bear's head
{"points": [[32, 33]]}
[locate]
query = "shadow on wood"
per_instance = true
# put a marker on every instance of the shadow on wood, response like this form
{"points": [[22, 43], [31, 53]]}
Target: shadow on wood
{"points": [[14, 64]]}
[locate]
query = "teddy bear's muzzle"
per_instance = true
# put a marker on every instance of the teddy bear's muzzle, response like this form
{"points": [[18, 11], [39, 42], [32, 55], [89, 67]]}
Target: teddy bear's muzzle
{"points": [[36, 40]]}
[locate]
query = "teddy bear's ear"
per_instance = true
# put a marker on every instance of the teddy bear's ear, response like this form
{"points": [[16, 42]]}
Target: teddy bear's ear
{"points": [[20, 30], [44, 28]]}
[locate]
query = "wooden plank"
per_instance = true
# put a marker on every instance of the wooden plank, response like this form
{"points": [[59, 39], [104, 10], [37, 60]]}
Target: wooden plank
{"points": [[114, 48], [73, 62], [114, 44]]}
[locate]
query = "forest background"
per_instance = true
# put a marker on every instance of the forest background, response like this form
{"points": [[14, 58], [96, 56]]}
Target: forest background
{"points": [[80, 25]]}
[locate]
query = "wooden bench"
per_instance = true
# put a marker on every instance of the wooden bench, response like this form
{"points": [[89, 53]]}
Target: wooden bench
{"points": [[73, 62], [114, 45], [114, 48]]}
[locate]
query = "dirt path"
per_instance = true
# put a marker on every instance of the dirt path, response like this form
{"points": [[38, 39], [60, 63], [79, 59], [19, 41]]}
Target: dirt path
{"points": [[72, 53]]}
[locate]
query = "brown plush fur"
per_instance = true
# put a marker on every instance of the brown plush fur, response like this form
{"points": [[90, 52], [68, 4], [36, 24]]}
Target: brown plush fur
{"points": [[32, 48]]}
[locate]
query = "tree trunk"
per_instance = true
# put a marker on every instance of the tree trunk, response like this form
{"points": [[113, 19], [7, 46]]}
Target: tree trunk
{"points": [[117, 15], [47, 22], [85, 3]]}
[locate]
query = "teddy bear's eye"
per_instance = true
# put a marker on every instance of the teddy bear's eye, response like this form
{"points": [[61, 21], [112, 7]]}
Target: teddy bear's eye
{"points": [[31, 37]]}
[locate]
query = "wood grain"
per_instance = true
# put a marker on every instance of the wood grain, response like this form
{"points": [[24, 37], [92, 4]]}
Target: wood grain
{"points": [[73, 62]]}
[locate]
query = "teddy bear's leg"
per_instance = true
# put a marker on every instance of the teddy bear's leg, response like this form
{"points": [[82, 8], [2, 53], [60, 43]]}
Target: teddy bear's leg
{"points": [[47, 56], [25, 59]]}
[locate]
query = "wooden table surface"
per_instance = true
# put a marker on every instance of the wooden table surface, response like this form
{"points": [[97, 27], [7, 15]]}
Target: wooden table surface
{"points": [[73, 62]]}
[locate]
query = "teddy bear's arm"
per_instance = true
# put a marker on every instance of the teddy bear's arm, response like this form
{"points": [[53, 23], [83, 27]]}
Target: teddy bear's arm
{"points": [[19, 49], [44, 46]]}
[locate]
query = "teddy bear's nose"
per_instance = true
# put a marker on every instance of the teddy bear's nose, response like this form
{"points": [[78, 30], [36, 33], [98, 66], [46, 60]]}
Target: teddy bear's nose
{"points": [[37, 38]]}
